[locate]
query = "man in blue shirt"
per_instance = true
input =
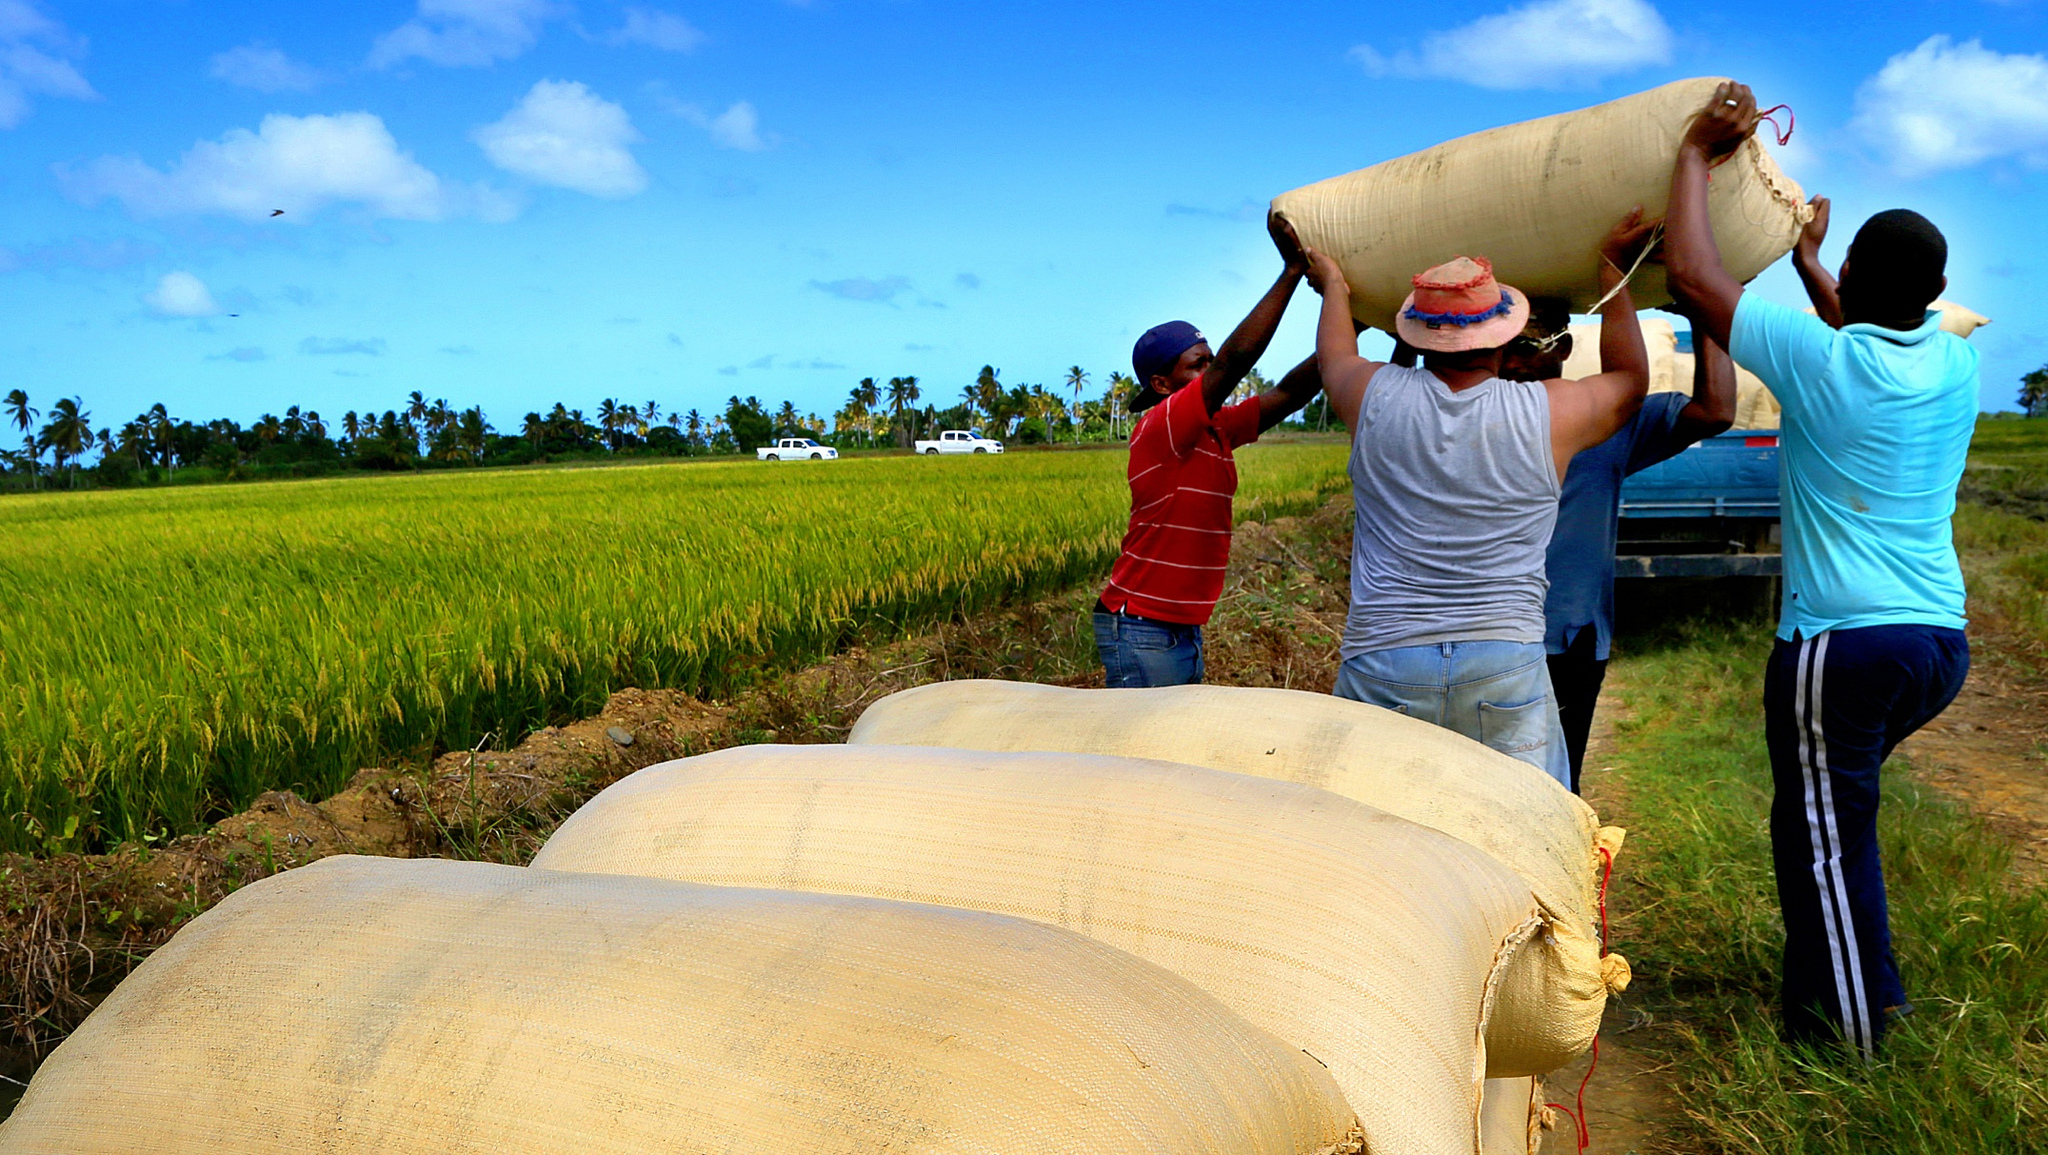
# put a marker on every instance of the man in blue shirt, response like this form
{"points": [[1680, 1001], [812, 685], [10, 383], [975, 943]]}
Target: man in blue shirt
{"points": [[1579, 609], [1879, 406]]}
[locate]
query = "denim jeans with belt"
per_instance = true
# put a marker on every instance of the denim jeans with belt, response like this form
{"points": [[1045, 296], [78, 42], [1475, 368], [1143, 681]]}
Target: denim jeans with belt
{"points": [[1495, 692], [1139, 652]]}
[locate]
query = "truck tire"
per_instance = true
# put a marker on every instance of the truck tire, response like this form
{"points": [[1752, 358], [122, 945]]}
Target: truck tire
{"points": [[932, 452], [979, 449], [817, 457], [774, 457]]}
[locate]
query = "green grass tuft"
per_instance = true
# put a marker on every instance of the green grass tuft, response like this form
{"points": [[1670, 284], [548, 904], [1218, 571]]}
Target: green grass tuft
{"points": [[1967, 1073]]}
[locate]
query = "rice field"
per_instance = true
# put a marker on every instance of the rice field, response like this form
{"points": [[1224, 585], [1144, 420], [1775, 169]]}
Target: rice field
{"points": [[166, 655]]}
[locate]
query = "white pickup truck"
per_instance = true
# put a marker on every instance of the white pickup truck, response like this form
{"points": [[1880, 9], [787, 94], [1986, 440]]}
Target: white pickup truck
{"points": [[960, 441], [795, 449]]}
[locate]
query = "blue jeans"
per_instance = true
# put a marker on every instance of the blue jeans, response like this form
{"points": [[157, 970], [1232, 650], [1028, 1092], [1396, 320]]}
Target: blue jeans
{"points": [[1139, 652], [1497, 693]]}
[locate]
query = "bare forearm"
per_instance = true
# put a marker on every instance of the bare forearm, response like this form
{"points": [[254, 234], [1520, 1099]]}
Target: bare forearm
{"points": [[1295, 390], [1692, 261], [1336, 339], [1712, 408], [1247, 343], [1621, 335], [1820, 286]]}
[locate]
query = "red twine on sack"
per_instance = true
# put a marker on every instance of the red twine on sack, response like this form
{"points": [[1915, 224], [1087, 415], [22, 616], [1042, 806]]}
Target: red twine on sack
{"points": [[1784, 134], [1578, 1117]]}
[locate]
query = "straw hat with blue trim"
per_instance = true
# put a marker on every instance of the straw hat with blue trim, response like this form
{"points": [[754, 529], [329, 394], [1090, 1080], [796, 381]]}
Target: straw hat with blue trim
{"points": [[1458, 306]]}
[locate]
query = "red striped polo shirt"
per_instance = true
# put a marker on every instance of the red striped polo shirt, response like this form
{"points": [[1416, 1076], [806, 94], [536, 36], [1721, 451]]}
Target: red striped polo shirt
{"points": [[1182, 478]]}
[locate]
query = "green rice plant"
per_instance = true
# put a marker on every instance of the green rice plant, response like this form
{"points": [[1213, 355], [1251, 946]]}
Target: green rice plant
{"points": [[1967, 1072], [168, 654]]}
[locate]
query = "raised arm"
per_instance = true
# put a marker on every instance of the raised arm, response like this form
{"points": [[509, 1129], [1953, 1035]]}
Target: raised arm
{"points": [[1819, 282], [1343, 371], [1712, 408], [1586, 412], [1692, 262], [1247, 343], [1296, 389]]}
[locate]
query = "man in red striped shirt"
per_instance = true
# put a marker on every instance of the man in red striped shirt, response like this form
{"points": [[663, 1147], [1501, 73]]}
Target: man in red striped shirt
{"points": [[1148, 622]]}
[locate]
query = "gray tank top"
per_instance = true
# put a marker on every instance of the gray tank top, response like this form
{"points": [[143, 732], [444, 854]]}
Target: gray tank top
{"points": [[1456, 495]]}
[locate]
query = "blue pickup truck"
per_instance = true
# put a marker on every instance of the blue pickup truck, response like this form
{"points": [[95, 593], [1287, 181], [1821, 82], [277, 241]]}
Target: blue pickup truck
{"points": [[1711, 511]]}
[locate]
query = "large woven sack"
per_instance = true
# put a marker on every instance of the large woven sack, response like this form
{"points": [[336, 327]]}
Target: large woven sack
{"points": [[385, 1007], [1659, 337], [1551, 998], [1671, 371], [1536, 198], [1370, 942], [1959, 319]]}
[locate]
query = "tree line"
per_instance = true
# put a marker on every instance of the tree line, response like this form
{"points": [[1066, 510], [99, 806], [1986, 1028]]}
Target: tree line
{"points": [[62, 447]]}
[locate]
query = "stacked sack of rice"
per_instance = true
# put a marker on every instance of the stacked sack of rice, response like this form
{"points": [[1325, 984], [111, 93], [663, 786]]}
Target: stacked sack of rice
{"points": [[1552, 994], [1393, 953], [413, 1007]]}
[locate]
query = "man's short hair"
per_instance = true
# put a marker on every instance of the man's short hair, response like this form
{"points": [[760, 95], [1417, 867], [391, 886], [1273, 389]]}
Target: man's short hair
{"points": [[1896, 264]]}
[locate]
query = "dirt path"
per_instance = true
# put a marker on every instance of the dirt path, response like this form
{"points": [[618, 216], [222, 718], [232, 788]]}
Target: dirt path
{"points": [[1629, 1104], [1990, 749]]}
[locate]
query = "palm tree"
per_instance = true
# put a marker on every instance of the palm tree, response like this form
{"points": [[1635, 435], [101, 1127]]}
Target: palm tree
{"points": [[1077, 380], [988, 390], [1121, 386], [869, 395], [903, 392], [415, 416], [786, 421], [693, 430], [68, 432], [608, 420], [351, 425], [650, 414], [18, 411]]}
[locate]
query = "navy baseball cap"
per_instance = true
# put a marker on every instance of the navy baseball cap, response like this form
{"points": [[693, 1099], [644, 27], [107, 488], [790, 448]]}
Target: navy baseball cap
{"points": [[1154, 356]]}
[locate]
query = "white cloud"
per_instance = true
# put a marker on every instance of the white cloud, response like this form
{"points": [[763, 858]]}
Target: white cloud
{"points": [[265, 69], [300, 164], [33, 49], [738, 127], [655, 29], [1546, 44], [563, 134], [181, 295], [465, 33], [1947, 105]]}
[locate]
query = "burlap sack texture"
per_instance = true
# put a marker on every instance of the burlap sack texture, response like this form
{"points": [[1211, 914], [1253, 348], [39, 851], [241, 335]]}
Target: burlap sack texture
{"points": [[1756, 407], [1555, 989], [391, 1007], [1536, 198], [1371, 942], [1672, 371], [1406, 767]]}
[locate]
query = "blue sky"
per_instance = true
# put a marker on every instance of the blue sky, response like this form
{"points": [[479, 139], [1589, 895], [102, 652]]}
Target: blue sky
{"points": [[511, 202]]}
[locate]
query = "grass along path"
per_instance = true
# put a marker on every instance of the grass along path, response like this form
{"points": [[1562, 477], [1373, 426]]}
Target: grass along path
{"points": [[1697, 915]]}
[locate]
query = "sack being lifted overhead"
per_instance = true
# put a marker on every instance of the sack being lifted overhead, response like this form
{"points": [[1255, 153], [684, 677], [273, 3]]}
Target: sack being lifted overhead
{"points": [[1536, 198], [385, 1007]]}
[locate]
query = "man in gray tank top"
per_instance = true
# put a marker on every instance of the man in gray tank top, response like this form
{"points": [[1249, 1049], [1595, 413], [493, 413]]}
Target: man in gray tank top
{"points": [[1455, 478]]}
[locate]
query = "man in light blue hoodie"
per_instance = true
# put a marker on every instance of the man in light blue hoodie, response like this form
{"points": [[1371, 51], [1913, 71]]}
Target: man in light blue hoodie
{"points": [[1879, 408]]}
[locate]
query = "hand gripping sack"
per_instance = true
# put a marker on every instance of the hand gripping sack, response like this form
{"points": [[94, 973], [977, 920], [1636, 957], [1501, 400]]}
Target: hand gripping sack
{"points": [[1370, 942], [1536, 199], [386, 1007], [1552, 996]]}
